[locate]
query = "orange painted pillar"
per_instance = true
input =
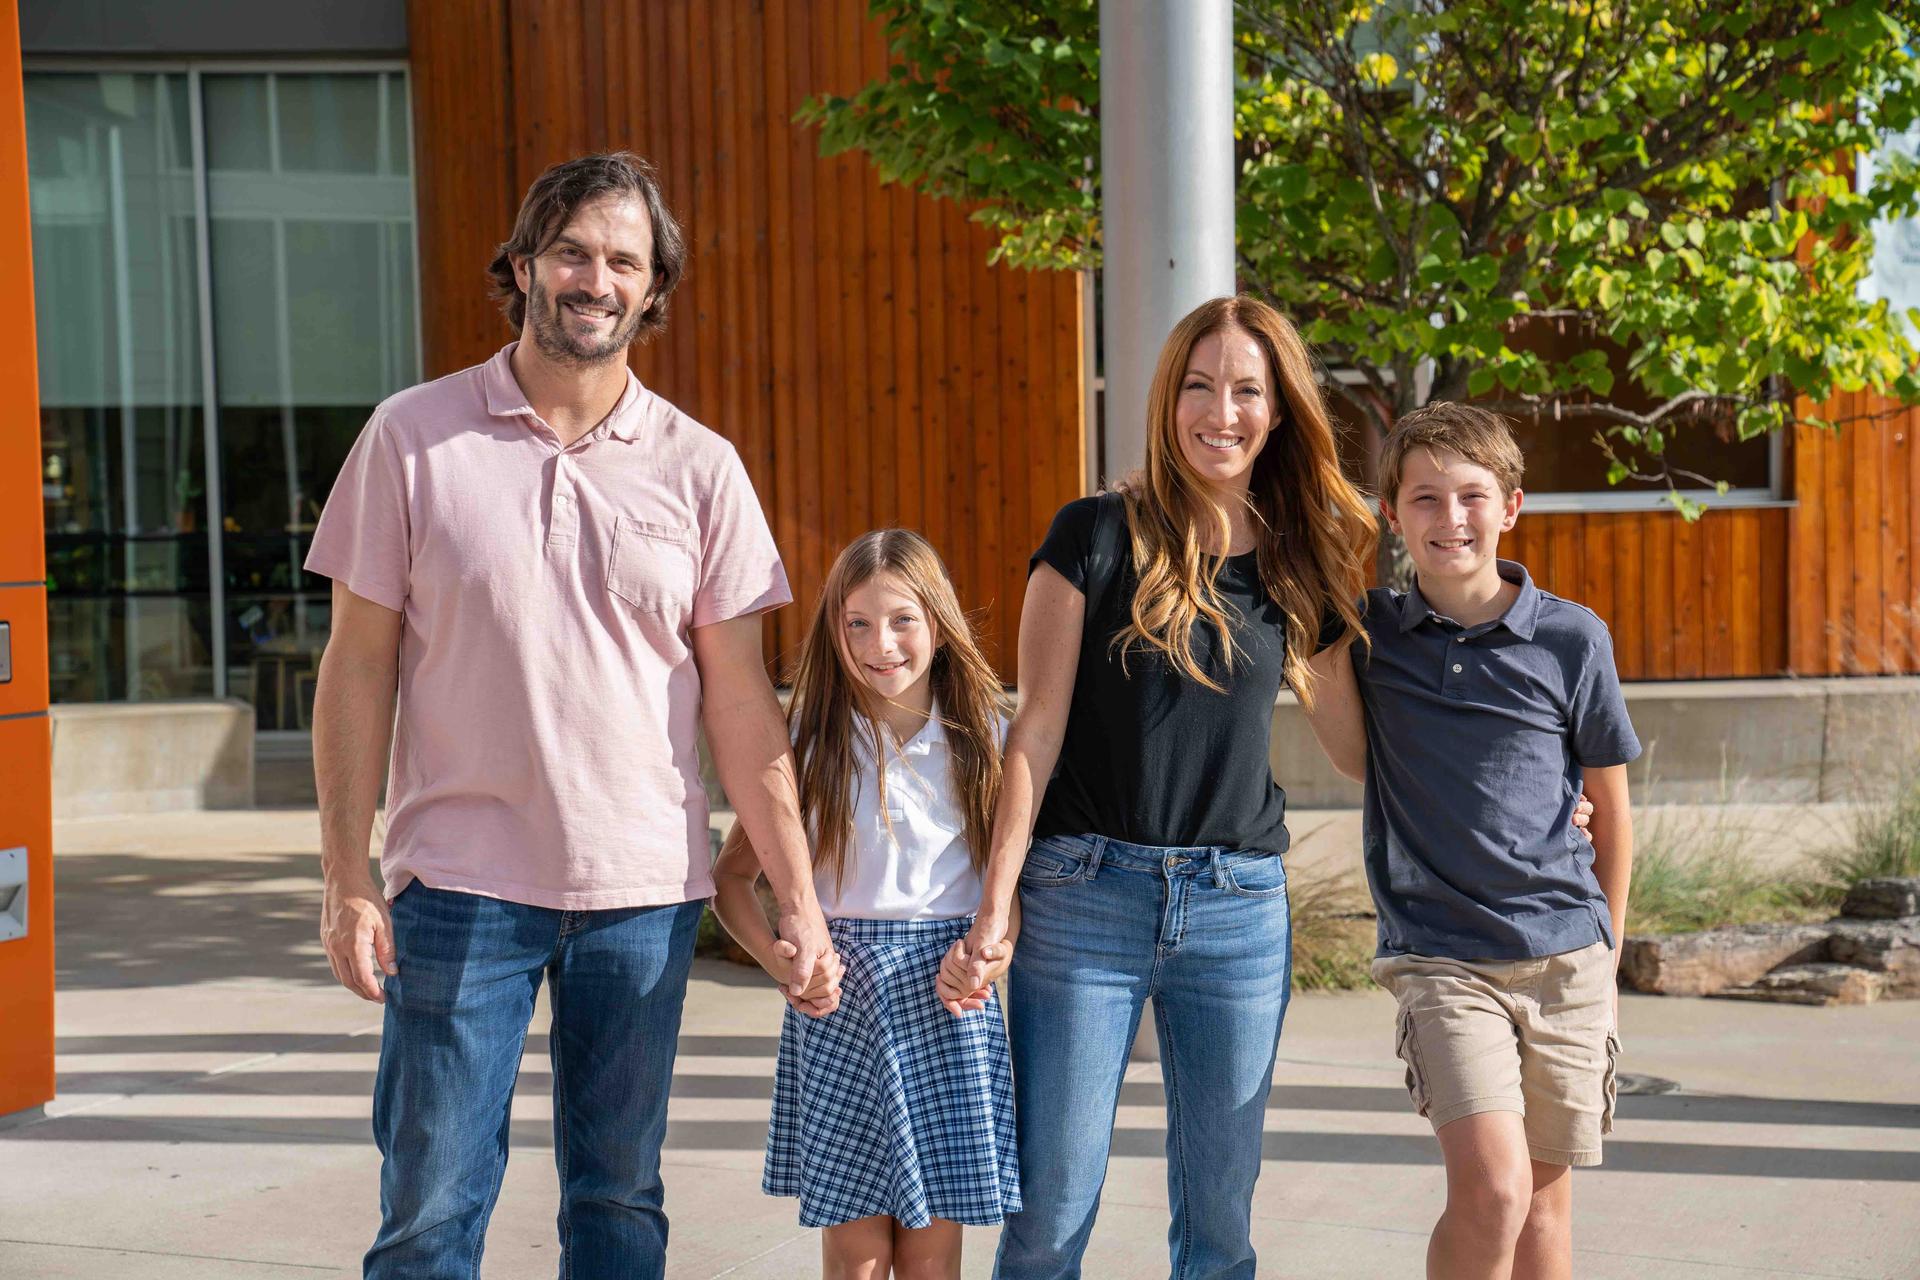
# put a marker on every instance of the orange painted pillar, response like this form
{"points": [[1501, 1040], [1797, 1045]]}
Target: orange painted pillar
{"points": [[26, 780]]}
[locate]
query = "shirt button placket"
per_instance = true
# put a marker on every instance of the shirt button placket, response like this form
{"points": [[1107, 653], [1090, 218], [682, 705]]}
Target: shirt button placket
{"points": [[564, 527]]}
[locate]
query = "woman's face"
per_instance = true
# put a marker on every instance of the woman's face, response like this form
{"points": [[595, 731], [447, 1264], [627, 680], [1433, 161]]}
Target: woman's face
{"points": [[1226, 407]]}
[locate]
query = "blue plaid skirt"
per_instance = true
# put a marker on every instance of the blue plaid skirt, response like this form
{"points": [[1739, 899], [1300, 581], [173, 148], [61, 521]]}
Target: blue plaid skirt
{"points": [[890, 1104]]}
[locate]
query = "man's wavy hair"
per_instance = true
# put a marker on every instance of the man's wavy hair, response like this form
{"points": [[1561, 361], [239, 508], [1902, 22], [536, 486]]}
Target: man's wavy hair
{"points": [[551, 203]]}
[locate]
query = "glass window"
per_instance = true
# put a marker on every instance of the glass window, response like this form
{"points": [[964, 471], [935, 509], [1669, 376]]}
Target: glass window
{"points": [[313, 319], [308, 189], [110, 167], [1563, 456]]}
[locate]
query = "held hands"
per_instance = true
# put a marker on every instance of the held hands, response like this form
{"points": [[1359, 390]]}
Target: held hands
{"points": [[821, 995], [967, 975], [357, 931]]}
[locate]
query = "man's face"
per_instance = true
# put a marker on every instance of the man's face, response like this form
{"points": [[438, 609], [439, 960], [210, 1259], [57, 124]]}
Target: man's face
{"points": [[587, 291]]}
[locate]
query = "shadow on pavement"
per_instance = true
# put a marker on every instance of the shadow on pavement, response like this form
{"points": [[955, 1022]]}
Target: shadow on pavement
{"points": [[134, 920], [1311, 1147]]}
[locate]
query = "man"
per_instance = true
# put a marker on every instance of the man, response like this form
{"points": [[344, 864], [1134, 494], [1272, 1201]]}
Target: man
{"points": [[558, 574]]}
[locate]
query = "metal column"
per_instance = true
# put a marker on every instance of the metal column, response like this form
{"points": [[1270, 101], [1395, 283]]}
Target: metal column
{"points": [[1166, 175]]}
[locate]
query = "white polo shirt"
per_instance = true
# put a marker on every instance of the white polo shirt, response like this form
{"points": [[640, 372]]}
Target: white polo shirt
{"points": [[912, 861]]}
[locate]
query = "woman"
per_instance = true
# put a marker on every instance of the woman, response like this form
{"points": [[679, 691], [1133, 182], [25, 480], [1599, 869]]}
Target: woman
{"points": [[1155, 866]]}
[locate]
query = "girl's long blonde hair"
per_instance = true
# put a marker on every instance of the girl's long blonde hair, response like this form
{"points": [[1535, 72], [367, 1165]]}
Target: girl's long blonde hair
{"points": [[1314, 532], [831, 706]]}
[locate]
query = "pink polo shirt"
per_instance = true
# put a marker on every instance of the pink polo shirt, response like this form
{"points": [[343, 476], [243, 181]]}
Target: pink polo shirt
{"points": [[549, 703]]}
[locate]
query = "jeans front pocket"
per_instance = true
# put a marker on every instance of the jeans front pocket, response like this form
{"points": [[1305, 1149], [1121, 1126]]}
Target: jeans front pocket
{"points": [[650, 566], [1056, 860], [1253, 875]]}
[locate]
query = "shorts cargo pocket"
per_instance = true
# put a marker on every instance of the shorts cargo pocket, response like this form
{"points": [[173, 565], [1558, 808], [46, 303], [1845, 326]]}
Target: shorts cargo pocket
{"points": [[651, 566], [1407, 1048], [1612, 1082]]}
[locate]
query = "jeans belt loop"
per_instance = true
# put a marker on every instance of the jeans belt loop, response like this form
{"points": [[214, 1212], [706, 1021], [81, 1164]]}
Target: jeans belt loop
{"points": [[1093, 859], [1219, 871]]}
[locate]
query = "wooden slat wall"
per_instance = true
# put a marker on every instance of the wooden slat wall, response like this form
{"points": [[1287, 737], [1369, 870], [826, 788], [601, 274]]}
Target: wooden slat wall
{"points": [[1683, 601], [1825, 587], [848, 338], [1853, 542]]}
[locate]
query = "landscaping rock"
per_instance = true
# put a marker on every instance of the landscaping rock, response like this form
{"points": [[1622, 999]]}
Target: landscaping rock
{"points": [[1813, 984], [1886, 898], [1891, 947], [1700, 964]]}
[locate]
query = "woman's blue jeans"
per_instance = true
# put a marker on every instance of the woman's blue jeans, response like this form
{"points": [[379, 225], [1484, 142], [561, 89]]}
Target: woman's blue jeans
{"points": [[456, 1025], [1105, 925]]}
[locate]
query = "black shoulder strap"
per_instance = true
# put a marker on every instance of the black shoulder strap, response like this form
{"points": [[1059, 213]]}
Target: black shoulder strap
{"points": [[1110, 546]]}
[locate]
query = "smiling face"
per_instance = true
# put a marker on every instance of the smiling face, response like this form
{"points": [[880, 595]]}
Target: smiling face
{"points": [[1226, 407], [887, 641], [588, 290], [1451, 513]]}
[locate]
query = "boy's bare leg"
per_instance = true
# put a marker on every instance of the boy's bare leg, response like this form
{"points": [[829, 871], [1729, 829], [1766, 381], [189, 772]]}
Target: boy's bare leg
{"points": [[931, 1252], [1545, 1251], [1489, 1191], [857, 1250]]}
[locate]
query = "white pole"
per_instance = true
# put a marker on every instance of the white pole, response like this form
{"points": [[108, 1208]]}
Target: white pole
{"points": [[1166, 174]]}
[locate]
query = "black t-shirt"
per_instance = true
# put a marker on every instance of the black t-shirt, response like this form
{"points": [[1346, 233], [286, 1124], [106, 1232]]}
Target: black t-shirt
{"points": [[1150, 756]]}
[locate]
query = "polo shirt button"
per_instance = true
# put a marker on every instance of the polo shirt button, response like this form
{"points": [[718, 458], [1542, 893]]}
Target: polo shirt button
{"points": [[1456, 668]]}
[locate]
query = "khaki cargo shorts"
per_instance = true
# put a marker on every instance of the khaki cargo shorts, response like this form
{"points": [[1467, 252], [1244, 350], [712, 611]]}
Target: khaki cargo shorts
{"points": [[1531, 1036]]}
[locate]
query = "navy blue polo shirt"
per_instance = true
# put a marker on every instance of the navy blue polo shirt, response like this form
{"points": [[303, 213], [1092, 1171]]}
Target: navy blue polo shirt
{"points": [[1476, 737]]}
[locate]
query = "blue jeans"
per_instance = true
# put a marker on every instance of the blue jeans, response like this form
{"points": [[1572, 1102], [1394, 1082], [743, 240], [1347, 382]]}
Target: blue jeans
{"points": [[456, 1025], [1104, 925]]}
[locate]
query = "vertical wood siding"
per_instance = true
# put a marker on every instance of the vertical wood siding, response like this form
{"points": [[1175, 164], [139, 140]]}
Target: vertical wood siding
{"points": [[848, 338]]}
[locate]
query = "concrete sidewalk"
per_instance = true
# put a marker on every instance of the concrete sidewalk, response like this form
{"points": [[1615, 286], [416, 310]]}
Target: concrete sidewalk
{"points": [[212, 1120]]}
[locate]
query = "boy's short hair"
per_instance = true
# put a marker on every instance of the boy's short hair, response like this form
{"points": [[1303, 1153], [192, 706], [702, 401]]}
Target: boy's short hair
{"points": [[1479, 435]]}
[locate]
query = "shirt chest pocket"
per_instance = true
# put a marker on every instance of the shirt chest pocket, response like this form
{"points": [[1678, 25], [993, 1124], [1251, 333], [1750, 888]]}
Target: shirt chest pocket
{"points": [[651, 566]]}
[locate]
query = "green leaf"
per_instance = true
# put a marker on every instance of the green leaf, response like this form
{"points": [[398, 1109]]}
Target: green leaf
{"points": [[1480, 273], [1672, 235], [1480, 381]]}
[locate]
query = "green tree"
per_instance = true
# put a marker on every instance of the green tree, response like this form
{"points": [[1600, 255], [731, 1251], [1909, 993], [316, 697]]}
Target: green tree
{"points": [[1419, 178]]}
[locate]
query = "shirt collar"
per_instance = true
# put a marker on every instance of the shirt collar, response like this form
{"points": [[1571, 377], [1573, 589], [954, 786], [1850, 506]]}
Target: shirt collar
{"points": [[932, 734], [505, 399], [1519, 618]]}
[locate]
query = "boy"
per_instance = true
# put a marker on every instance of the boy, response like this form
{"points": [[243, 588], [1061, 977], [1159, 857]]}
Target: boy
{"points": [[1476, 714]]}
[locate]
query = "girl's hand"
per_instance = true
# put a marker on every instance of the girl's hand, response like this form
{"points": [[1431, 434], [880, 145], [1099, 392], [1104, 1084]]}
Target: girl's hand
{"points": [[966, 977], [822, 995]]}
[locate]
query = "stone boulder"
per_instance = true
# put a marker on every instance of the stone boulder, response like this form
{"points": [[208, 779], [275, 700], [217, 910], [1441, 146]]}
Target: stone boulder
{"points": [[1812, 984], [1700, 964], [1890, 947], [1885, 898]]}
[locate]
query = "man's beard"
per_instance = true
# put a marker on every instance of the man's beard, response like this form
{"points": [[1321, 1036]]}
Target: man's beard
{"points": [[546, 325]]}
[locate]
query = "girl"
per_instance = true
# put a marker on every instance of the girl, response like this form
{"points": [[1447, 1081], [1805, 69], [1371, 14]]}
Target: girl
{"points": [[892, 1116], [1160, 623]]}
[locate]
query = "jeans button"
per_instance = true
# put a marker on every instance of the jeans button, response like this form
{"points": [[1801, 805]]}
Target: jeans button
{"points": [[1176, 861]]}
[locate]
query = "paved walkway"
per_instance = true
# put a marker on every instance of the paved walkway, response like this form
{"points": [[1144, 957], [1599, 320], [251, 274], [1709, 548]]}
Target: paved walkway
{"points": [[212, 1121]]}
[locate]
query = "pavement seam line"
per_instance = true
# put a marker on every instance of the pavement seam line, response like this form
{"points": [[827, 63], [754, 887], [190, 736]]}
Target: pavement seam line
{"points": [[168, 1253], [764, 1253]]}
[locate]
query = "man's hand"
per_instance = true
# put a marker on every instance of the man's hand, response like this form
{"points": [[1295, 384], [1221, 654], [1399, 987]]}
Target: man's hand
{"points": [[806, 929], [822, 995], [357, 932]]}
